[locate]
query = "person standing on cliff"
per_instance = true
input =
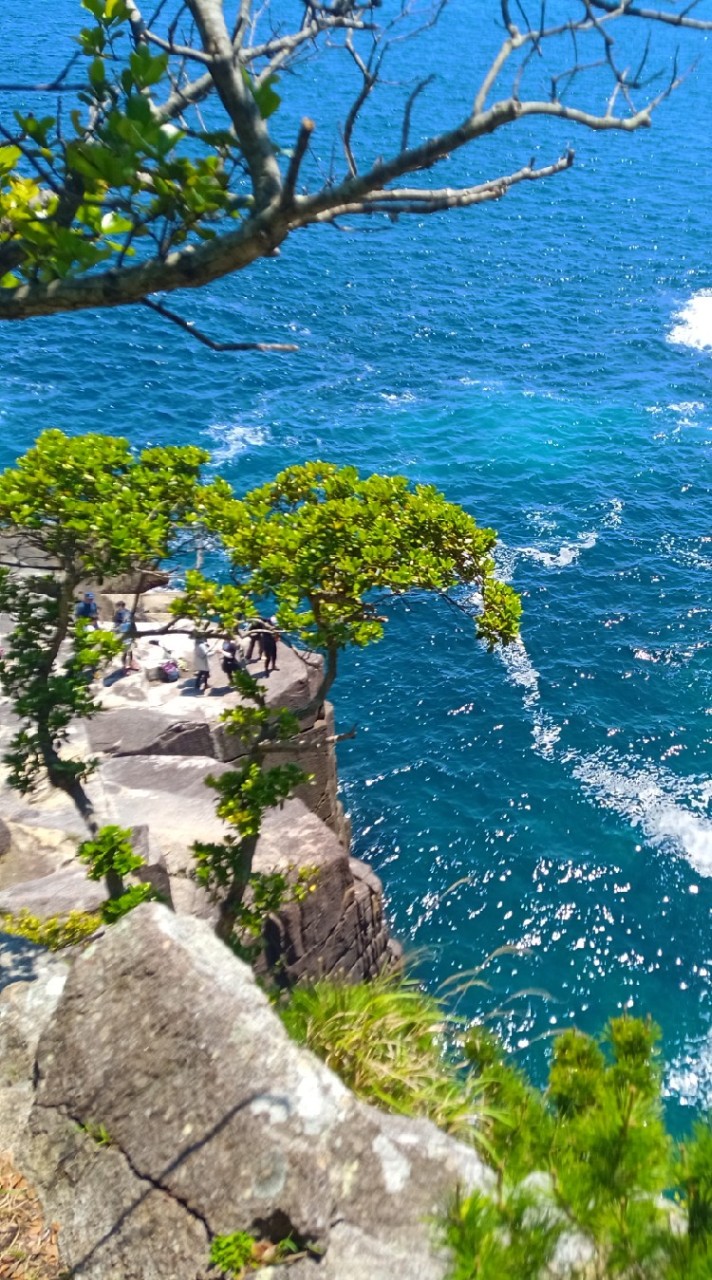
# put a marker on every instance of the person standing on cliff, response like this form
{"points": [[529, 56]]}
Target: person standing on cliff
{"points": [[268, 648], [201, 663], [122, 625]]}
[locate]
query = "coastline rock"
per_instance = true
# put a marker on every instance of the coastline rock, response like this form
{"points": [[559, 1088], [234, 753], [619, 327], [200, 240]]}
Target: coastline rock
{"points": [[218, 1123]]}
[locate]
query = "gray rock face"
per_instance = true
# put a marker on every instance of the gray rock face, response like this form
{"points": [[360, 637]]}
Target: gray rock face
{"points": [[54, 895], [336, 929], [218, 1123]]}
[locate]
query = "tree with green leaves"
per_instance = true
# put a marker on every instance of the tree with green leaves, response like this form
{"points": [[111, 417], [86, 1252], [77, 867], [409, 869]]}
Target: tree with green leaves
{"points": [[322, 549], [173, 166], [81, 508]]}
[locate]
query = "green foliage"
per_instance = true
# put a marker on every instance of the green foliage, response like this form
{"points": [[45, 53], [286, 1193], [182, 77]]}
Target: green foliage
{"points": [[265, 894], [92, 507], [386, 1041], [324, 543], [48, 693], [232, 1254], [54, 933], [110, 850], [236, 1254], [97, 1132], [114, 908], [591, 1156], [588, 1159], [112, 176], [95, 506]]}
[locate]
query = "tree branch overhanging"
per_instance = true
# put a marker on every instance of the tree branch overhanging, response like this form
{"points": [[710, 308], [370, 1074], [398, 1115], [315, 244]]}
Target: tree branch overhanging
{"points": [[248, 203], [189, 327]]}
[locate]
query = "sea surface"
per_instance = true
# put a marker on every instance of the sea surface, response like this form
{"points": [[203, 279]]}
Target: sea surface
{"points": [[547, 361]]}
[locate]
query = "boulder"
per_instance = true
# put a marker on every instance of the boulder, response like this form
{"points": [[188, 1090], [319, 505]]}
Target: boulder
{"points": [[163, 1045], [55, 894]]}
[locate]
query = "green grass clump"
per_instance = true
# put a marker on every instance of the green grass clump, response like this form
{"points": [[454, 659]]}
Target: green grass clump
{"points": [[56, 932], [386, 1041]]}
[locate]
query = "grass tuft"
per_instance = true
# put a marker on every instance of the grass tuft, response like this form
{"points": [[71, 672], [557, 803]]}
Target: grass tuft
{"points": [[387, 1040]]}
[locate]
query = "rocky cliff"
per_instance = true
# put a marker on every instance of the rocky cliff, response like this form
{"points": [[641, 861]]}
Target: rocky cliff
{"points": [[156, 744], [153, 1098]]}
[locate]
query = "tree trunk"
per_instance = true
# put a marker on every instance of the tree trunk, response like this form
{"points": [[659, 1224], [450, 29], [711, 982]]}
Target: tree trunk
{"points": [[231, 903]]}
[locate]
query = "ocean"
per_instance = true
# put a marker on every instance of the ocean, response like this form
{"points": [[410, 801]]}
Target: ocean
{"points": [[546, 360]]}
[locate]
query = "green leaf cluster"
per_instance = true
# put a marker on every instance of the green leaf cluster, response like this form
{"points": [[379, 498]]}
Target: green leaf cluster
{"points": [[236, 1254], [115, 179], [109, 851], [324, 546], [92, 504]]}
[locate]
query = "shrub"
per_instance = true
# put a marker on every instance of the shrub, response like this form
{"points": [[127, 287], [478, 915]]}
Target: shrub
{"points": [[55, 933]]}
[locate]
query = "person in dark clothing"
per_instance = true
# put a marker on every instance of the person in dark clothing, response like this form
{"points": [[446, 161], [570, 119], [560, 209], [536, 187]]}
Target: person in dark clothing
{"points": [[230, 663], [254, 631], [268, 649]]}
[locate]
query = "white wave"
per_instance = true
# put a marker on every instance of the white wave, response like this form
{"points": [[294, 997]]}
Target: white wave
{"points": [[567, 554], [521, 671], [687, 406], [234, 438], [404, 397], [546, 734], [669, 810], [694, 322]]}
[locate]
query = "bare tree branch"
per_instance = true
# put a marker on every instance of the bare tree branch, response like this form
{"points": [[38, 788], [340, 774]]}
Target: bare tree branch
{"points": [[407, 114], [655, 15], [179, 248], [190, 328], [306, 130]]}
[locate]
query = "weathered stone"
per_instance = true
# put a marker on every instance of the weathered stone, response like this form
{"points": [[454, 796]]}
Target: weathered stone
{"points": [[26, 1007], [218, 1123], [29, 852], [54, 895], [328, 931]]}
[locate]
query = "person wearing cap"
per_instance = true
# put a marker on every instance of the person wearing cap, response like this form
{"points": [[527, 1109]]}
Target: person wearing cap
{"points": [[87, 608]]}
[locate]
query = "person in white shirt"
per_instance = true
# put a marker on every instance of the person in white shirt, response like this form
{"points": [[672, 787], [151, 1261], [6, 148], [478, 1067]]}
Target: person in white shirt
{"points": [[201, 662]]}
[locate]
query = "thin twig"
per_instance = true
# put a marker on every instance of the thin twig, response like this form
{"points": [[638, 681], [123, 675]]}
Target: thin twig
{"points": [[190, 328]]}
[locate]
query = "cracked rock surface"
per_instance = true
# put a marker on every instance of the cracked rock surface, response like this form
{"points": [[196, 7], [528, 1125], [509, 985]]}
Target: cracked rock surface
{"points": [[217, 1122]]}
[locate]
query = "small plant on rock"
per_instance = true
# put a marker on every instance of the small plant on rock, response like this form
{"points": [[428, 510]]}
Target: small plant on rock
{"points": [[236, 1254], [110, 857], [386, 1039]]}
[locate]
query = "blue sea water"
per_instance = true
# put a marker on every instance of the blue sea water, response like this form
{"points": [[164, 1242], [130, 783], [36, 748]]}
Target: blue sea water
{"points": [[547, 361]]}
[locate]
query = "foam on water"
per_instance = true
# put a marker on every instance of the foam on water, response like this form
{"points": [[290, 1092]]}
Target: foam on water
{"points": [[567, 554], [693, 323], [669, 810], [232, 439]]}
